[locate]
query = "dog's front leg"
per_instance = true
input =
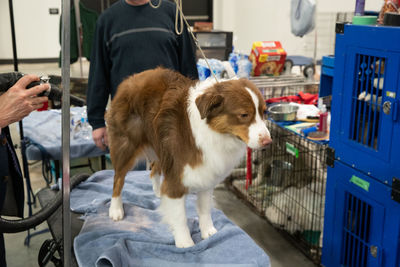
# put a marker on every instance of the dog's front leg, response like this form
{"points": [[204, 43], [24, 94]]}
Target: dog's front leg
{"points": [[174, 214], [204, 205]]}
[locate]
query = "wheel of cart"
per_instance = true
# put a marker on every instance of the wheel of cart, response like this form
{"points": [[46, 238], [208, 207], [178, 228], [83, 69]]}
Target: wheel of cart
{"points": [[306, 65]]}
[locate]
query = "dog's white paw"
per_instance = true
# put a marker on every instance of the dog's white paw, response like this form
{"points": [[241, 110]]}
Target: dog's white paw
{"points": [[116, 214], [116, 211], [206, 233], [184, 242]]}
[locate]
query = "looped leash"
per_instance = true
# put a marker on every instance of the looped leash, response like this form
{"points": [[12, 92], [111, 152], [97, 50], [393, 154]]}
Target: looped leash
{"points": [[157, 6], [179, 16]]}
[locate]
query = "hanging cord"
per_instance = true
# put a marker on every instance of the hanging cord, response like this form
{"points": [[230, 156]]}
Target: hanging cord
{"points": [[157, 6], [178, 13], [181, 17]]}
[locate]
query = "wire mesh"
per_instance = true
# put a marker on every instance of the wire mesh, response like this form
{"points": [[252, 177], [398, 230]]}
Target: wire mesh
{"points": [[284, 85], [288, 187]]}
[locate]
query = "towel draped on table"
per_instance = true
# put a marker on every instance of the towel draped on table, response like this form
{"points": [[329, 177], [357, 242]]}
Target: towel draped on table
{"points": [[43, 129], [140, 239]]}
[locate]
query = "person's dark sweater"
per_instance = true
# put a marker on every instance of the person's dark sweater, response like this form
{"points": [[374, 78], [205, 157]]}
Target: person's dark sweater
{"points": [[128, 40]]}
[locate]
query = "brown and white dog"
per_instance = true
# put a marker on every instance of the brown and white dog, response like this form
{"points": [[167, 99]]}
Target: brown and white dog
{"points": [[194, 133]]}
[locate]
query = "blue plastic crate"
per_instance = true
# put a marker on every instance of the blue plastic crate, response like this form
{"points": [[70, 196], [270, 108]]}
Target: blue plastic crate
{"points": [[362, 222], [327, 72], [365, 128]]}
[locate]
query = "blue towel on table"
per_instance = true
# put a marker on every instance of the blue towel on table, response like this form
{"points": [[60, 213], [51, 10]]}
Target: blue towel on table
{"points": [[43, 129], [140, 239]]}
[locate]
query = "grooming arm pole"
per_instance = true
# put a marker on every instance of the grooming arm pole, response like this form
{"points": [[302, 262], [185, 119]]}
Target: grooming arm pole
{"points": [[65, 109]]}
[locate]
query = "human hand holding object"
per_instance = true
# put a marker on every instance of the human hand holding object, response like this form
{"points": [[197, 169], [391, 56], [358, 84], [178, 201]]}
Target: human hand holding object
{"points": [[18, 101]]}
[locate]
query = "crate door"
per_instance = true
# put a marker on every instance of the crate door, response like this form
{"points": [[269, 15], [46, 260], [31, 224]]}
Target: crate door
{"points": [[360, 230], [369, 101]]}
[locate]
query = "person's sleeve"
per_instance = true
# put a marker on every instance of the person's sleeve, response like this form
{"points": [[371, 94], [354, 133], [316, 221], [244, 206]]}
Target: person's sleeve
{"points": [[7, 80], [187, 55], [98, 90]]}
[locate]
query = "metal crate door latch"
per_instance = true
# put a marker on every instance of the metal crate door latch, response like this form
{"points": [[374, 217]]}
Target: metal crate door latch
{"points": [[387, 106], [393, 108], [396, 189]]}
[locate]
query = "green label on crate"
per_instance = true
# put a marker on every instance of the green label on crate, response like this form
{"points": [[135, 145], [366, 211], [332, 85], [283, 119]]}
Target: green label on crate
{"points": [[360, 182], [292, 150], [391, 94]]}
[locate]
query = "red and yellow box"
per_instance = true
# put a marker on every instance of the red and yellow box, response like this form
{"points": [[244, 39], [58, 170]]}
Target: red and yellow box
{"points": [[267, 57]]}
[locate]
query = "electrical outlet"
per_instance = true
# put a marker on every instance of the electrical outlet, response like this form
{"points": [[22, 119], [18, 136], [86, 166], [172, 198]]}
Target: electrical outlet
{"points": [[53, 11]]}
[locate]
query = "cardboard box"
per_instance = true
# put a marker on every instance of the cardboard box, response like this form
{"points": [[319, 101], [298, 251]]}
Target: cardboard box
{"points": [[202, 26], [268, 58]]}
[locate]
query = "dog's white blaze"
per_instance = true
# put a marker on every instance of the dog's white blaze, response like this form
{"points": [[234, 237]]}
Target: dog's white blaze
{"points": [[258, 128], [221, 152]]}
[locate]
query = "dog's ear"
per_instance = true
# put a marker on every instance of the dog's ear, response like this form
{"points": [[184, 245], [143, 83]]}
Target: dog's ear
{"points": [[209, 104]]}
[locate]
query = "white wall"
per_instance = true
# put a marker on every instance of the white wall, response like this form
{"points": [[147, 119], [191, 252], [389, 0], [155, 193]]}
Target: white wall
{"points": [[267, 20], [37, 32]]}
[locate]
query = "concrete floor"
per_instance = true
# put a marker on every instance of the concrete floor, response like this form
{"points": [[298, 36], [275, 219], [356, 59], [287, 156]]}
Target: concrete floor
{"points": [[281, 252]]}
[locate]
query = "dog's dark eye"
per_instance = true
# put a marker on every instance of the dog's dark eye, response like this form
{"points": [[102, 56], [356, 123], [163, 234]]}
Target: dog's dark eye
{"points": [[244, 115]]}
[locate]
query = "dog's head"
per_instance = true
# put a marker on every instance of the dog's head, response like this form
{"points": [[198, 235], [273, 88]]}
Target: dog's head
{"points": [[235, 107]]}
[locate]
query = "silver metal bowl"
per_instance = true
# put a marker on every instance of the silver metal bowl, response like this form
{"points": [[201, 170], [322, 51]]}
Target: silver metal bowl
{"points": [[283, 112]]}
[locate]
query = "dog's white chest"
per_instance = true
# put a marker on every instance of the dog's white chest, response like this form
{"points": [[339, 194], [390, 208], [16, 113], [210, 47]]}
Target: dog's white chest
{"points": [[221, 152], [216, 166]]}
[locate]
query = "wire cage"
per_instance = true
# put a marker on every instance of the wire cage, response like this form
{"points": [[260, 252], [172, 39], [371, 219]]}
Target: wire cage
{"points": [[285, 85], [285, 183]]}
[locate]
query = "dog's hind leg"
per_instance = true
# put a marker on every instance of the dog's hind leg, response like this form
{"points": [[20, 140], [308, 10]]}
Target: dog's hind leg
{"points": [[123, 156], [155, 176]]}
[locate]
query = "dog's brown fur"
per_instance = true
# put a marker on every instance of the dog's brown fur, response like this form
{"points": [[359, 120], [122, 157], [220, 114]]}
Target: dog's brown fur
{"points": [[150, 111], [136, 115]]}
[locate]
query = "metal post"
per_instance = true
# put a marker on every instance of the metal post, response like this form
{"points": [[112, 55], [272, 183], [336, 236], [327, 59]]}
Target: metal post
{"points": [[15, 58], [65, 109]]}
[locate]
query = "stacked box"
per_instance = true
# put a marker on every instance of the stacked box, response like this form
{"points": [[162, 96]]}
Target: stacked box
{"points": [[267, 58]]}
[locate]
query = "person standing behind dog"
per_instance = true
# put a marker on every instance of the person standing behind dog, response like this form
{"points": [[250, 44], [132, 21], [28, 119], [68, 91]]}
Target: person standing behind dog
{"points": [[132, 36]]}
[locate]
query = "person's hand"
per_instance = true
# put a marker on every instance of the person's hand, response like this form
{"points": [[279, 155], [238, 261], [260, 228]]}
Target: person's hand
{"points": [[100, 138], [18, 102]]}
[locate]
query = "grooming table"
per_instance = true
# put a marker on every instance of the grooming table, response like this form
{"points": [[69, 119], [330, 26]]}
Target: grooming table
{"points": [[140, 239], [43, 129]]}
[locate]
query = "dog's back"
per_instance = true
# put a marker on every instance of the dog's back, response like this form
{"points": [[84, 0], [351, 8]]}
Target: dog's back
{"points": [[138, 101]]}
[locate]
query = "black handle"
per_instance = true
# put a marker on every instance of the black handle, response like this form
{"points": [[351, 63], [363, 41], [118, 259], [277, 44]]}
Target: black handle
{"points": [[56, 94]]}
